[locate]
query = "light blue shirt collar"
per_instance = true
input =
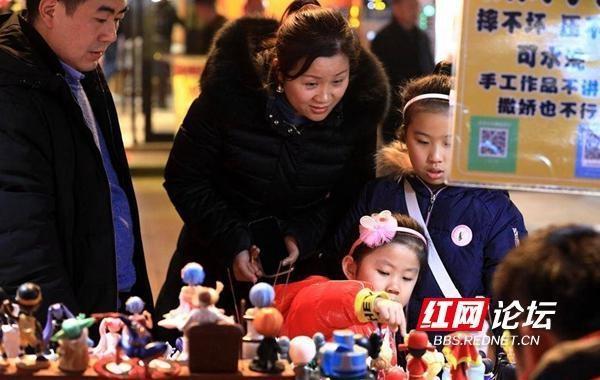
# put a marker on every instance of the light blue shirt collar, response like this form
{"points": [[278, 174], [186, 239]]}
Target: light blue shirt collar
{"points": [[72, 75]]}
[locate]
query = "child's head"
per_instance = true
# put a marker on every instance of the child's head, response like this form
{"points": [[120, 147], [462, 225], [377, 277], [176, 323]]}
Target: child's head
{"points": [[425, 111], [389, 253], [555, 264]]}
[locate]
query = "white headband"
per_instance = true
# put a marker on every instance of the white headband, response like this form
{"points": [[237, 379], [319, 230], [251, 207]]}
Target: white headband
{"points": [[425, 96]]}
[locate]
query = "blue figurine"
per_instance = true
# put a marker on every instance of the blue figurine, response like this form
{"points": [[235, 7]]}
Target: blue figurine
{"points": [[57, 313], [341, 359], [262, 295], [136, 342]]}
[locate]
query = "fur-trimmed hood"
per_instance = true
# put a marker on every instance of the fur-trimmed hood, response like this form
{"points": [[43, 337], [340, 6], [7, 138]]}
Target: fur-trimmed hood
{"points": [[392, 160], [237, 72]]}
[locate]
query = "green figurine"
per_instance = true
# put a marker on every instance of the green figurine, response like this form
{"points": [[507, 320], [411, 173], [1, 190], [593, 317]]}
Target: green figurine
{"points": [[73, 344]]}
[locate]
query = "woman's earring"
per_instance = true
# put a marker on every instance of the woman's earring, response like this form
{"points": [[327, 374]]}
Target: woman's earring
{"points": [[279, 88]]}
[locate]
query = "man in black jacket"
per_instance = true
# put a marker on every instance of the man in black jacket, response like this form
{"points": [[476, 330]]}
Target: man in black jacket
{"points": [[68, 218], [405, 52]]}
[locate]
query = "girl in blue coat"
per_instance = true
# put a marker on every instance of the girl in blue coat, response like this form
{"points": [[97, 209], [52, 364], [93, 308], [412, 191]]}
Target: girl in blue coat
{"points": [[471, 229]]}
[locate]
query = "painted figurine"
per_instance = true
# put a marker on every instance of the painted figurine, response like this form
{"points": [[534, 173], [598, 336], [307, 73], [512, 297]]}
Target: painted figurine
{"points": [[284, 346], [261, 295], [343, 359], [3, 321], [135, 343], [9, 328], [252, 339], [29, 298], [204, 312], [135, 306], [72, 339], [267, 321], [416, 343], [192, 274], [110, 335], [57, 313], [435, 364], [302, 352], [460, 355]]}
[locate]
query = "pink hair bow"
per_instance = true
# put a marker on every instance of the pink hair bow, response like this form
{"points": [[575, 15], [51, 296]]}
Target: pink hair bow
{"points": [[377, 229]]}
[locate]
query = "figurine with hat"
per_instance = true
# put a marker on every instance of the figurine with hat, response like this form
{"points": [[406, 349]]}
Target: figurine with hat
{"points": [[29, 298], [416, 343], [460, 354]]}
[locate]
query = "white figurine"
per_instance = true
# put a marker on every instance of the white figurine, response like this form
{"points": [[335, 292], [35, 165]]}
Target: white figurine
{"points": [[110, 334]]}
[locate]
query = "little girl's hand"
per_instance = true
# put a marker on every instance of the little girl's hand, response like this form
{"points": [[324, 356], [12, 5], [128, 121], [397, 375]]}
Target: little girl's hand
{"points": [[391, 313]]}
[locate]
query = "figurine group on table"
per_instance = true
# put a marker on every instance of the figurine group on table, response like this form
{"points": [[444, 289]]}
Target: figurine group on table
{"points": [[338, 329]]}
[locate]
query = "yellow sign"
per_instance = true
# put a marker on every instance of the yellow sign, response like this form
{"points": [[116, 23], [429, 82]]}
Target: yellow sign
{"points": [[185, 72], [527, 99]]}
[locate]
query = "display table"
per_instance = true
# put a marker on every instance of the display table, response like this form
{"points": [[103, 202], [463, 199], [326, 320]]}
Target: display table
{"points": [[243, 373]]}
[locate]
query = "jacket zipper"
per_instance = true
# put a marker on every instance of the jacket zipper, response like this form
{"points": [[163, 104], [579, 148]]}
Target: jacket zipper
{"points": [[432, 198]]}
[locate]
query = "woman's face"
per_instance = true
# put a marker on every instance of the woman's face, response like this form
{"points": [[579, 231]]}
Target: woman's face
{"points": [[316, 92]]}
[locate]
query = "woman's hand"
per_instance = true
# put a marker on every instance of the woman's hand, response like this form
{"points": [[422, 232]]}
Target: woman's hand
{"points": [[246, 266], [293, 252], [391, 313]]}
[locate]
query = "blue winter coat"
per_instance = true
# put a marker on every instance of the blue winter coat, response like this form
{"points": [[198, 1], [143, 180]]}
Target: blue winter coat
{"points": [[495, 222]]}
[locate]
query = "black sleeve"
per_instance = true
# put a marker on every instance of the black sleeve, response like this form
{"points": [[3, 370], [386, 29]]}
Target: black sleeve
{"points": [[30, 249], [190, 176], [309, 229]]}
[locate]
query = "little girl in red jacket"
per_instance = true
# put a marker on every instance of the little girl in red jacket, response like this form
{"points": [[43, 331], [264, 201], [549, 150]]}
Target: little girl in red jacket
{"points": [[382, 268]]}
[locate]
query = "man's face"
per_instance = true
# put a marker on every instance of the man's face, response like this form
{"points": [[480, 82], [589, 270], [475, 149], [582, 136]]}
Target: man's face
{"points": [[81, 38]]}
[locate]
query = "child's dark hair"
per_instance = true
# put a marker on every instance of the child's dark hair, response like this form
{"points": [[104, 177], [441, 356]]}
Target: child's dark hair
{"points": [[308, 32], [556, 264], [411, 241], [440, 82]]}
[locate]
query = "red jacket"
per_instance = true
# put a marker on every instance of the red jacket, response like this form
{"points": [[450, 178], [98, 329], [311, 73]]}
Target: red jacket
{"points": [[318, 304]]}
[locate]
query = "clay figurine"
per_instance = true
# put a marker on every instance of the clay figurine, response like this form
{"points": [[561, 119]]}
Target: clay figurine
{"points": [[416, 343], [135, 306], [57, 313], [460, 355], [29, 298], [9, 328], [110, 335], [302, 352], [73, 344], [137, 345], [267, 321]]}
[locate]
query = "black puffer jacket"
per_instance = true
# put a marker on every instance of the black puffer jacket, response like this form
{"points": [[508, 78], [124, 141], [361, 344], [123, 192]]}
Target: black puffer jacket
{"points": [[55, 214], [235, 159]]}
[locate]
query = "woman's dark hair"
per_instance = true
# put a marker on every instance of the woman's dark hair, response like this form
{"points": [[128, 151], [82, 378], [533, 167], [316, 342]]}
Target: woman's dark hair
{"points": [[440, 82], [411, 241], [555, 264], [308, 32]]}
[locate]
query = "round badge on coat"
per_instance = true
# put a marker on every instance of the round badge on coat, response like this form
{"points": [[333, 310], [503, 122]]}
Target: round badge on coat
{"points": [[462, 235]]}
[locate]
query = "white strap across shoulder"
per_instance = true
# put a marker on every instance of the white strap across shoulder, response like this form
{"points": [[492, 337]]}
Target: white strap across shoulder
{"points": [[433, 258]]}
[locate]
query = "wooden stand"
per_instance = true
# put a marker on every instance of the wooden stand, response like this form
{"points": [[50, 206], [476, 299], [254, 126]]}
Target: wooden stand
{"points": [[210, 358]]}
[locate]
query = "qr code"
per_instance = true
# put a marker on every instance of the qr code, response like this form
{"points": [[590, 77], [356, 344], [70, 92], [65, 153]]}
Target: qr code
{"points": [[493, 142], [591, 148]]}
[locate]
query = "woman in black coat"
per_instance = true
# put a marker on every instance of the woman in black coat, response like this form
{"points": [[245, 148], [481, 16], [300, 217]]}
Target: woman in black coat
{"points": [[285, 127]]}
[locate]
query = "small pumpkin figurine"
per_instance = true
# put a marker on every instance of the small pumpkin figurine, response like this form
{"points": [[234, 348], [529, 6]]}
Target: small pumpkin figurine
{"points": [[267, 321]]}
